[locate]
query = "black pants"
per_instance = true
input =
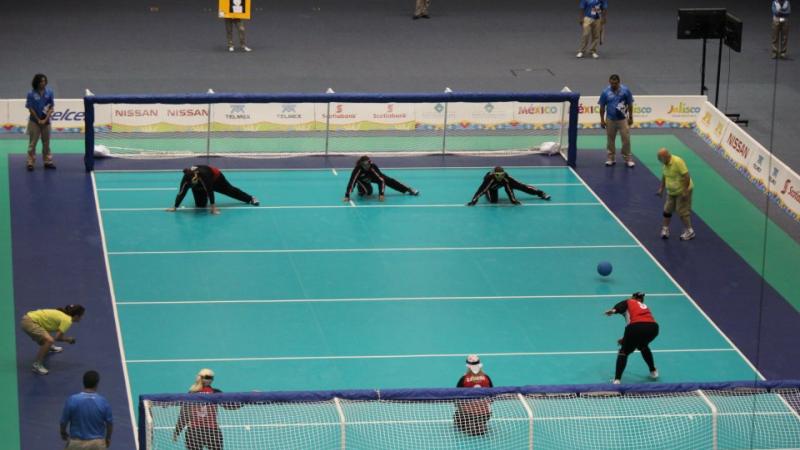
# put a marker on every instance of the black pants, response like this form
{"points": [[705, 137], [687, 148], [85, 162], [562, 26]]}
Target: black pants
{"points": [[638, 336], [222, 186], [364, 185], [471, 424], [203, 438], [492, 196]]}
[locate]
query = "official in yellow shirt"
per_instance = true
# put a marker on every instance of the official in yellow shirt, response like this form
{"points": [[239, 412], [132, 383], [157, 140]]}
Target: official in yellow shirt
{"points": [[40, 323], [675, 179]]}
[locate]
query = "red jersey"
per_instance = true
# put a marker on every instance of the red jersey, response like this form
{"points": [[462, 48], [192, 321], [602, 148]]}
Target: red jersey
{"points": [[478, 406], [198, 415], [635, 311]]}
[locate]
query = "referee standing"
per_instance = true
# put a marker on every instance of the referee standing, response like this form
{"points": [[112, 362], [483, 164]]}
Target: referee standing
{"points": [[640, 331]]}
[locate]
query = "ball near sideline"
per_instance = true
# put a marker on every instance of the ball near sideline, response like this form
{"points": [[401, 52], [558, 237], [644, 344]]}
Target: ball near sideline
{"points": [[604, 268]]}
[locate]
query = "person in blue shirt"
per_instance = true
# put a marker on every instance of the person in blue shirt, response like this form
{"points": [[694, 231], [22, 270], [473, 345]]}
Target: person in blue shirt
{"points": [[40, 103], [780, 27], [88, 416], [592, 19], [616, 115]]}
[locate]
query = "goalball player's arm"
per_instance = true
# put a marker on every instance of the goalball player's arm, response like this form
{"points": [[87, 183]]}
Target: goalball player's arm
{"points": [[351, 183], [481, 189]]}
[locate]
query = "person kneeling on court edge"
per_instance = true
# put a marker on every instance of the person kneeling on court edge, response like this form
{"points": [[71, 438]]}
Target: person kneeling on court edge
{"points": [[204, 181], [498, 177], [472, 415], [640, 331], [40, 323], [367, 172]]}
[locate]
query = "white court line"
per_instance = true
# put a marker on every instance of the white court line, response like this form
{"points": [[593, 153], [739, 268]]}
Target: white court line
{"points": [[390, 299], [335, 173], [486, 167], [110, 279], [433, 355], [668, 275], [352, 203], [443, 205], [370, 250], [139, 189]]}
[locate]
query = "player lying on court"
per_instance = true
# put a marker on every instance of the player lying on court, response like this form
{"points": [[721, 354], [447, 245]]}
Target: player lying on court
{"points": [[367, 172], [472, 416], [640, 331], [204, 181], [498, 177]]}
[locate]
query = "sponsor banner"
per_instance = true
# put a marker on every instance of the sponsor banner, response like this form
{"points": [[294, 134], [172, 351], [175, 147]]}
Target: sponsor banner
{"points": [[711, 124], [365, 116], [68, 116], [234, 9], [263, 117], [158, 118], [649, 111]]}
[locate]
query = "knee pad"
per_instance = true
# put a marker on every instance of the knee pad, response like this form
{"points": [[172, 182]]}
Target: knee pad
{"points": [[667, 214]]}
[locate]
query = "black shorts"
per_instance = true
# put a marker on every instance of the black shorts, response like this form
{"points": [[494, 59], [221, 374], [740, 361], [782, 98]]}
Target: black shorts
{"points": [[638, 335]]}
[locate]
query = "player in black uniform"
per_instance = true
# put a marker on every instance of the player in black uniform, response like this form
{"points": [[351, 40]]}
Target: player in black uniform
{"points": [[367, 172], [204, 181], [498, 177]]}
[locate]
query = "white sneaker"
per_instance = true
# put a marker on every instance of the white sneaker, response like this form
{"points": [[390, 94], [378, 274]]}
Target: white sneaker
{"points": [[246, 49], [664, 233], [595, 55], [230, 49], [615, 381], [39, 368], [610, 163], [654, 374], [579, 55], [630, 163], [687, 235], [56, 349]]}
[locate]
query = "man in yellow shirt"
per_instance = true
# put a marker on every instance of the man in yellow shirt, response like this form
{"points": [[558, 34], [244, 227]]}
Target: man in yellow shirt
{"points": [[675, 178]]}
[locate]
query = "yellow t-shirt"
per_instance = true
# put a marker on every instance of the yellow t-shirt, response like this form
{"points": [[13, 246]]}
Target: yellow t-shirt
{"points": [[51, 319], [673, 175]]}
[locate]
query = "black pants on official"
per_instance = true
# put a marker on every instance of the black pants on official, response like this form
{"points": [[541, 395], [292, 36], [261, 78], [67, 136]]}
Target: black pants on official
{"points": [[222, 186], [638, 336], [364, 185], [201, 438], [492, 196]]}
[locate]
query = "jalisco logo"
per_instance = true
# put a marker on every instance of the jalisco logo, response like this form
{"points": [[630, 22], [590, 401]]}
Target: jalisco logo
{"points": [[238, 112], [706, 118], [683, 108], [642, 109], [719, 129], [789, 190], [738, 145]]}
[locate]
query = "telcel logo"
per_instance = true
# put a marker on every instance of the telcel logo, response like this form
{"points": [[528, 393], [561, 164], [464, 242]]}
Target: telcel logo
{"points": [[68, 115]]}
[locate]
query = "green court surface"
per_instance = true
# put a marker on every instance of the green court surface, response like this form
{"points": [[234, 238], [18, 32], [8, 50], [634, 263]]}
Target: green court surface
{"points": [[307, 292]]}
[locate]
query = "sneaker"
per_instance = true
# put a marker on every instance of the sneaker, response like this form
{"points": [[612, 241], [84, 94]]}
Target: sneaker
{"points": [[595, 55], [39, 368], [230, 49], [246, 49], [415, 17], [56, 349], [49, 166], [630, 164], [579, 55], [413, 192], [610, 163], [615, 381], [687, 235], [425, 16], [545, 196], [254, 201], [654, 374], [29, 167], [664, 233]]}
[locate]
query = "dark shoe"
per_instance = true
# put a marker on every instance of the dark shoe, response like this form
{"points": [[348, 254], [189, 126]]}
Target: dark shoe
{"points": [[49, 166], [254, 201], [545, 196], [425, 16], [29, 167], [413, 192], [415, 17]]}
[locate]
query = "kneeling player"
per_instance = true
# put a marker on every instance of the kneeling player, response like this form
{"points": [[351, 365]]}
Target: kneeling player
{"points": [[367, 172], [640, 331], [472, 416], [498, 177], [204, 181]]}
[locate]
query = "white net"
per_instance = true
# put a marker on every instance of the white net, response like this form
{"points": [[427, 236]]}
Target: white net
{"points": [[248, 129], [724, 419]]}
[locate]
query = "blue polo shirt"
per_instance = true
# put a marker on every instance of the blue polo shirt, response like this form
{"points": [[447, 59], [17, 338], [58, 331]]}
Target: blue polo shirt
{"points": [[593, 8], [617, 103], [38, 102], [87, 414], [781, 8]]}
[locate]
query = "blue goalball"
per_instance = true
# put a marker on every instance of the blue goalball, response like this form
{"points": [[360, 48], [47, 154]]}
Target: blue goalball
{"points": [[604, 268]]}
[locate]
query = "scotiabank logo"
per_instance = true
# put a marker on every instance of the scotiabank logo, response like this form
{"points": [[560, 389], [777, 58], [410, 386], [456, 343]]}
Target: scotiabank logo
{"points": [[789, 190], [135, 112], [738, 145], [339, 113], [68, 115], [537, 110], [390, 114]]}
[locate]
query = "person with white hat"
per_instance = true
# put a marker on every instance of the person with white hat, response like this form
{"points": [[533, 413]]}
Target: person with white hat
{"points": [[200, 419], [472, 416]]}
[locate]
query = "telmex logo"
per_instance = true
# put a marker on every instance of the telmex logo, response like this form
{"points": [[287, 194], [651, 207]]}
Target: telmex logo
{"points": [[537, 110], [68, 115], [738, 145], [237, 109], [683, 108]]}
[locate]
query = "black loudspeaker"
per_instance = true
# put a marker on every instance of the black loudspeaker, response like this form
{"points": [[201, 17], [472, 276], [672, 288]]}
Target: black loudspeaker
{"points": [[699, 23], [733, 32]]}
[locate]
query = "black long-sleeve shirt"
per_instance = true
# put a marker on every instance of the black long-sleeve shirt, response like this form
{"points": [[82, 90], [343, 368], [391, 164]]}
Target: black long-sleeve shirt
{"points": [[371, 175], [490, 182], [206, 176]]}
